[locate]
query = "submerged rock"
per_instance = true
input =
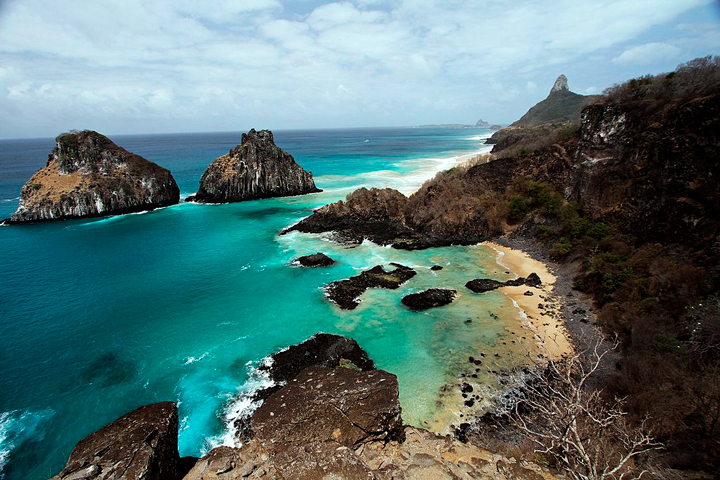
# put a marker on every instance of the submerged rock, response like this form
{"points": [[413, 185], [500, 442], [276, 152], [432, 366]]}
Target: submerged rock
{"points": [[87, 175], [256, 168], [431, 298], [346, 293], [480, 285], [315, 260], [141, 445]]}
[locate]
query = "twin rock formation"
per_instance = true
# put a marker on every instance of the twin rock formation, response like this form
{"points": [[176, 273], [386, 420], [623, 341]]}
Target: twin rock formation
{"points": [[87, 175]]}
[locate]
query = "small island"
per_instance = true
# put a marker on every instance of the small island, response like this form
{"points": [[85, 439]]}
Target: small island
{"points": [[87, 175], [257, 168]]}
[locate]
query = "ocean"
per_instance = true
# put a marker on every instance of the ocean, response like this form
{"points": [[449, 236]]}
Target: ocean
{"points": [[98, 317]]}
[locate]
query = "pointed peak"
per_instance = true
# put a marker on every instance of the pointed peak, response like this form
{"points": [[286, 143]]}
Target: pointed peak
{"points": [[560, 84]]}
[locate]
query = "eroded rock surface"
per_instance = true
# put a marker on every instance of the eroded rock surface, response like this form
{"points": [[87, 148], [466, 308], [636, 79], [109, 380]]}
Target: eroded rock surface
{"points": [[257, 168], [346, 293], [430, 298], [87, 175], [347, 406], [141, 445], [376, 214], [322, 349]]}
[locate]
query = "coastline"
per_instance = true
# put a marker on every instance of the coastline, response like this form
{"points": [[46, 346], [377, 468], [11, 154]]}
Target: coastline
{"points": [[541, 310]]}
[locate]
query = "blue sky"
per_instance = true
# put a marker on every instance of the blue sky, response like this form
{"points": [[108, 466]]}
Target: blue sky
{"points": [[181, 65]]}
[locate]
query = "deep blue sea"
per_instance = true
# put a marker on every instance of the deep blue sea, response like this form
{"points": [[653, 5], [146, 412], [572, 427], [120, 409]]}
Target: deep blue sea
{"points": [[98, 317]]}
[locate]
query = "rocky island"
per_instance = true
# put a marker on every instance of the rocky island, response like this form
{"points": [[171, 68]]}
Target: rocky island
{"points": [[87, 175], [257, 168]]}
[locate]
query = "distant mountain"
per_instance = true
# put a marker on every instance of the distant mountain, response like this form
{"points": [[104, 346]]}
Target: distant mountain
{"points": [[561, 105]]}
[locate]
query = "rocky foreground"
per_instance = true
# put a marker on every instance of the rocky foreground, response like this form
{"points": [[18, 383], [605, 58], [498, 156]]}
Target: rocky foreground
{"points": [[87, 175], [257, 168], [331, 420]]}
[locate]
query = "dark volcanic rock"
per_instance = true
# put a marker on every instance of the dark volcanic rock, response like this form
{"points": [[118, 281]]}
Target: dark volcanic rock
{"points": [[315, 260], [140, 445], [435, 268], [480, 285], [376, 214], [342, 405], [256, 168], [346, 293], [431, 298], [321, 349], [87, 175]]}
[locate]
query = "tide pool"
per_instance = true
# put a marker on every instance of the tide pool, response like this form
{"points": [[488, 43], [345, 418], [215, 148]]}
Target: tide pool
{"points": [[98, 317]]}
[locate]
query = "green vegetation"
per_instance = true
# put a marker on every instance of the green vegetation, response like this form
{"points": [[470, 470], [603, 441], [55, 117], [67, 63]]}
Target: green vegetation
{"points": [[35, 186]]}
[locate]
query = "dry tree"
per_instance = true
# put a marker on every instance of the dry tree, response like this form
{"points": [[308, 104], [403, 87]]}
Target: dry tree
{"points": [[586, 435]]}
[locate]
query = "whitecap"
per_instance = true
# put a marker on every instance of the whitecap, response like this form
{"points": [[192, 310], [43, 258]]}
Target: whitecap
{"points": [[189, 360], [16, 426], [242, 405]]}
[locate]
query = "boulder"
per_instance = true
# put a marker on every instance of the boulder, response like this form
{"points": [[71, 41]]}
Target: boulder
{"points": [[346, 293], [315, 260], [256, 168], [321, 349], [87, 175], [431, 298], [342, 405], [141, 445]]}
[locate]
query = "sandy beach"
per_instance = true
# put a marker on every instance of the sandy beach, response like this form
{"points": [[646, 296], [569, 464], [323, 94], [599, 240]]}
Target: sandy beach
{"points": [[540, 308]]}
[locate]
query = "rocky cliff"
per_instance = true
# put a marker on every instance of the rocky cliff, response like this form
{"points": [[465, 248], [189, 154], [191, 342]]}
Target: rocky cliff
{"points": [[341, 422], [648, 169], [87, 175], [256, 168]]}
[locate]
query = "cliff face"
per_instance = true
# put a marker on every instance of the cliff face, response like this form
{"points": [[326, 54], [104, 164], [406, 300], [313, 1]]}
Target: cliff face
{"points": [[649, 171], [256, 168], [87, 175]]}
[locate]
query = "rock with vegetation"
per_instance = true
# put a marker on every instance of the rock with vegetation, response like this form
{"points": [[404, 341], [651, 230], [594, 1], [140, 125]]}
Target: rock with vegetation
{"points": [[257, 168], [430, 298], [346, 293], [376, 214], [87, 175], [142, 445], [561, 105], [315, 260]]}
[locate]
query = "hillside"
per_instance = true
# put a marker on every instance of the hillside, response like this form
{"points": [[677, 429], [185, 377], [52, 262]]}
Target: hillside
{"points": [[630, 199], [561, 105]]}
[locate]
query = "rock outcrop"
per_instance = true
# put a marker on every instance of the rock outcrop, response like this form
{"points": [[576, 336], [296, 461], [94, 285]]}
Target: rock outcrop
{"points": [[87, 175], [346, 293], [315, 260], [376, 214], [480, 285], [430, 298], [142, 445], [561, 105], [256, 168], [322, 349]]}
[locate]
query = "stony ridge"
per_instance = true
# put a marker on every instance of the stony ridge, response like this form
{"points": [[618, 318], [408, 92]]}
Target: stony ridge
{"points": [[87, 175]]}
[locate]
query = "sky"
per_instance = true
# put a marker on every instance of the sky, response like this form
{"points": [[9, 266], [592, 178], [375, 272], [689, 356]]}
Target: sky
{"points": [[155, 66]]}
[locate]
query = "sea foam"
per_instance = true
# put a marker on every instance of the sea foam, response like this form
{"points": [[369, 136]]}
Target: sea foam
{"points": [[17, 426]]}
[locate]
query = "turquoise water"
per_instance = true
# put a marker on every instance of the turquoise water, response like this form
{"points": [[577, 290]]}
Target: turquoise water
{"points": [[99, 317]]}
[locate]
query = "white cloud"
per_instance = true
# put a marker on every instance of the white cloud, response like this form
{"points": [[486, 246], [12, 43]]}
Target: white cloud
{"points": [[648, 53], [399, 61]]}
